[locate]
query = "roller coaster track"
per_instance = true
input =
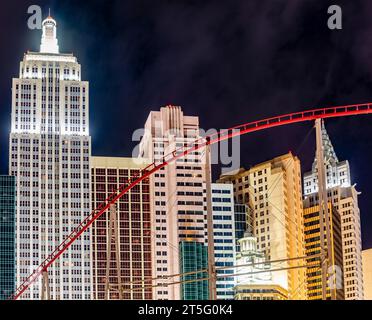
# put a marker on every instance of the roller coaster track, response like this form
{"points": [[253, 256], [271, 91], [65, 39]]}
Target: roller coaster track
{"points": [[332, 112]]}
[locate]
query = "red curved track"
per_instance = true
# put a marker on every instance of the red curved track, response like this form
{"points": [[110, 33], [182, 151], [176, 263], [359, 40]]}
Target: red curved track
{"points": [[309, 115]]}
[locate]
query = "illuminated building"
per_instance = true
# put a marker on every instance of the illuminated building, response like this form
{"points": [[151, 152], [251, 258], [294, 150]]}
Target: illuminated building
{"points": [[344, 198], [223, 211], [7, 235], [49, 154], [254, 280], [367, 273], [134, 229], [313, 247], [180, 214], [273, 192]]}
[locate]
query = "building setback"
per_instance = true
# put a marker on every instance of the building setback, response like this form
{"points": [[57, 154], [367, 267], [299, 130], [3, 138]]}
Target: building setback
{"points": [[134, 229], [7, 235], [49, 154], [180, 213], [273, 192], [344, 198]]}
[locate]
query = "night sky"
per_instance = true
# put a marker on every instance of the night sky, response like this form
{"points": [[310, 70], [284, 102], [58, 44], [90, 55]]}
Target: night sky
{"points": [[228, 62]]}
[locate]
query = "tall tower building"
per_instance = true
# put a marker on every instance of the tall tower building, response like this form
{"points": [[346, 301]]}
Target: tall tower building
{"points": [[273, 191], [49, 155], [134, 230], [7, 235], [344, 198], [180, 240]]}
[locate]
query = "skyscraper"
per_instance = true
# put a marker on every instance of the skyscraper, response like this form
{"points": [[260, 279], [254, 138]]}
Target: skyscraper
{"points": [[273, 191], [49, 156], [344, 198], [224, 238], [180, 212], [7, 236], [134, 230]]}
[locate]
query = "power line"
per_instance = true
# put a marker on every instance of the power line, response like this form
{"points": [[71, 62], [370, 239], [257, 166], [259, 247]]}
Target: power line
{"points": [[218, 276], [222, 268]]}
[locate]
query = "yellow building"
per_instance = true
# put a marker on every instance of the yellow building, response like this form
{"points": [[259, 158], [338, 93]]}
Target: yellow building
{"points": [[273, 191], [367, 273], [313, 247]]}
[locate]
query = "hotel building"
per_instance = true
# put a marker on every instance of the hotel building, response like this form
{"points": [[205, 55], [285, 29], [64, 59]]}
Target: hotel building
{"points": [[134, 230], [180, 213], [49, 154], [273, 192], [344, 198]]}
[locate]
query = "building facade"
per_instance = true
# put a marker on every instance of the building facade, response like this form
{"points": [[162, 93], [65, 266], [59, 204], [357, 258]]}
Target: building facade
{"points": [[367, 273], [49, 154], [243, 222], [344, 198], [273, 191], [223, 211], [7, 235], [134, 230], [180, 213], [313, 247], [193, 257], [254, 280]]}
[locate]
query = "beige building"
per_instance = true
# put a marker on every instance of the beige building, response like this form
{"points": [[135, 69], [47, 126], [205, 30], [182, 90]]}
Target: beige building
{"points": [[367, 273], [180, 243], [273, 191], [133, 229]]}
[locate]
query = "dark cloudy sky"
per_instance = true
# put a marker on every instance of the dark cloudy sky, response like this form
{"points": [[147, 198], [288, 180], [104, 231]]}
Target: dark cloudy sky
{"points": [[228, 62]]}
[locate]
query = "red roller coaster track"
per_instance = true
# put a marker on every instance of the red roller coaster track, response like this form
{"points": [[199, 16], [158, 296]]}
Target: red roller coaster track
{"points": [[309, 115]]}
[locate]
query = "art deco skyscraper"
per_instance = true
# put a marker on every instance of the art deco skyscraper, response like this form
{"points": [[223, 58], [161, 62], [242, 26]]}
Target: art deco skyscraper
{"points": [[49, 156], [344, 198], [179, 237]]}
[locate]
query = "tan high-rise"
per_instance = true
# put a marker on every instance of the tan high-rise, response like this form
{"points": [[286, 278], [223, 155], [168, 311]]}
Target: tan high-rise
{"points": [[273, 191], [180, 238]]}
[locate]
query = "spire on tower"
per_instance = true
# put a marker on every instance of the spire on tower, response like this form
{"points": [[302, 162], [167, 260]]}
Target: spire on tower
{"points": [[49, 42], [330, 156]]}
